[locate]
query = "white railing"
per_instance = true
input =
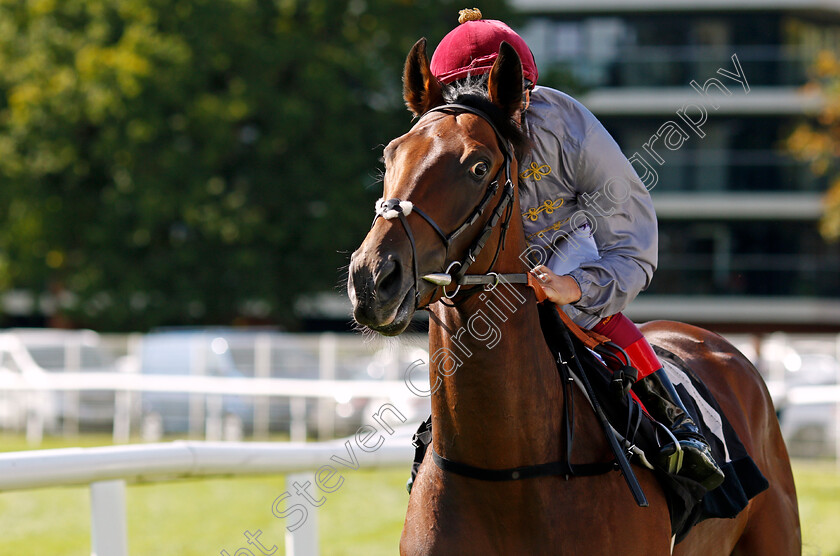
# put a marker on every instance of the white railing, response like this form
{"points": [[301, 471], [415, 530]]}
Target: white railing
{"points": [[246, 361], [262, 355], [207, 385], [107, 469], [211, 389]]}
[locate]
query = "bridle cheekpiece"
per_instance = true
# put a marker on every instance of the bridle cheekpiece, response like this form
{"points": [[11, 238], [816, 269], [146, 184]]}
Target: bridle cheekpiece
{"points": [[456, 270]]}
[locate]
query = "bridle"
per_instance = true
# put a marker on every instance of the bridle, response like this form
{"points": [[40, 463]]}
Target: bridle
{"points": [[456, 270]]}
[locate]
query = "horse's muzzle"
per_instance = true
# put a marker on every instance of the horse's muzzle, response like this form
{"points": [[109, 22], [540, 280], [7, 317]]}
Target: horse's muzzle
{"points": [[381, 291]]}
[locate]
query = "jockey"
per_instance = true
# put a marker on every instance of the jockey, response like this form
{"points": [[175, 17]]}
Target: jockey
{"points": [[588, 220]]}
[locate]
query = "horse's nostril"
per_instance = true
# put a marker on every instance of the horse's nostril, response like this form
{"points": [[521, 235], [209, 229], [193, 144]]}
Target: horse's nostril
{"points": [[389, 279]]}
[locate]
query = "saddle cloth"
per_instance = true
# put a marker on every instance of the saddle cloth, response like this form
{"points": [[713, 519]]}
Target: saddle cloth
{"points": [[688, 502], [744, 479]]}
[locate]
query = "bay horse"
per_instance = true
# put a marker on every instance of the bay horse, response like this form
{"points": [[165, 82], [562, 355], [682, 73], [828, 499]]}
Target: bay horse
{"points": [[497, 401]]}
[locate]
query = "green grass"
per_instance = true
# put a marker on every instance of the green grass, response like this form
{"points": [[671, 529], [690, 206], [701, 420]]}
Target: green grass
{"points": [[202, 517], [818, 490], [363, 517]]}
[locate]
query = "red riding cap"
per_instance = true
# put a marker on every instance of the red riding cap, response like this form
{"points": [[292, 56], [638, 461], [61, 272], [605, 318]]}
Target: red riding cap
{"points": [[472, 47]]}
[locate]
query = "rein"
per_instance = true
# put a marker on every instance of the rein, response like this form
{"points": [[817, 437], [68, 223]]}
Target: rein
{"points": [[456, 271]]}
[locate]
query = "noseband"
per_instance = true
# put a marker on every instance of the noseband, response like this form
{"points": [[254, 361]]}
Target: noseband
{"points": [[456, 270]]}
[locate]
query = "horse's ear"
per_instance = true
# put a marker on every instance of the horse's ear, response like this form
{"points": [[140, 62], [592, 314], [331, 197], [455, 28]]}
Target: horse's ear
{"points": [[505, 82], [421, 89]]}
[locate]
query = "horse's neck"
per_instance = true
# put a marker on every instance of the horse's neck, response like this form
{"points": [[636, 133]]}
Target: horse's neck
{"points": [[498, 402], [497, 399]]}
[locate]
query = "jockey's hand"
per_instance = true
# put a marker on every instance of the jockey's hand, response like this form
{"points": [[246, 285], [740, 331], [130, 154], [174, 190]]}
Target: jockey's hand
{"points": [[560, 290]]}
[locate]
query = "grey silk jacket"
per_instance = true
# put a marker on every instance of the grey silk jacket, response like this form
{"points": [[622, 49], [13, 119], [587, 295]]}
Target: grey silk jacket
{"points": [[575, 183]]}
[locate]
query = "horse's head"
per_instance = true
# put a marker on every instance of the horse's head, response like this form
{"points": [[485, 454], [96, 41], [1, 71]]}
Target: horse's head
{"points": [[448, 183]]}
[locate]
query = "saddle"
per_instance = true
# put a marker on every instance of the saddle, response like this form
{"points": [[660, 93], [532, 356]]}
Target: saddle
{"points": [[688, 502]]}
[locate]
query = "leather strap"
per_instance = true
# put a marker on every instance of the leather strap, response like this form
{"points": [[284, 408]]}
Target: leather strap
{"points": [[493, 278], [589, 338], [553, 468]]}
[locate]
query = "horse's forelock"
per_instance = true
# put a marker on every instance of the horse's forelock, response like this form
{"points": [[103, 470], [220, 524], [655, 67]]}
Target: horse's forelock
{"points": [[472, 91]]}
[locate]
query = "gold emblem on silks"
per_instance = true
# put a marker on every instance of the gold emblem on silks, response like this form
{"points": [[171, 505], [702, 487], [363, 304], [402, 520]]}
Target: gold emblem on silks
{"points": [[535, 171], [553, 228], [548, 206]]}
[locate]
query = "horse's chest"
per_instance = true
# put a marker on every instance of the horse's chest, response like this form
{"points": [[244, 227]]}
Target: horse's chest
{"points": [[549, 516]]}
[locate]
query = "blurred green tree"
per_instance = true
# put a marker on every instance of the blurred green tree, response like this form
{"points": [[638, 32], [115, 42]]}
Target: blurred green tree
{"points": [[195, 161], [818, 142]]}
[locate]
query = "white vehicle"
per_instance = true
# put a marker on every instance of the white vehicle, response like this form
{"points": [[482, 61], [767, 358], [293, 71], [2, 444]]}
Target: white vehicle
{"points": [[810, 429], [809, 425], [30, 356], [187, 353], [414, 401]]}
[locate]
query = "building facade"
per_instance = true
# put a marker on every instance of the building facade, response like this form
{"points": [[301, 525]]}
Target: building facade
{"points": [[701, 96]]}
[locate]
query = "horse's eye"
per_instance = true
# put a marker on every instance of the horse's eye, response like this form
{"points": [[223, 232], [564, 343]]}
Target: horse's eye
{"points": [[479, 169]]}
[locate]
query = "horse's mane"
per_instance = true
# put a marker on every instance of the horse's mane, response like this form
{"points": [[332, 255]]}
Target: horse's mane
{"points": [[472, 91]]}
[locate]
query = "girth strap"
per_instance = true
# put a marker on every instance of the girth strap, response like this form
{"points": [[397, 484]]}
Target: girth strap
{"points": [[554, 468]]}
